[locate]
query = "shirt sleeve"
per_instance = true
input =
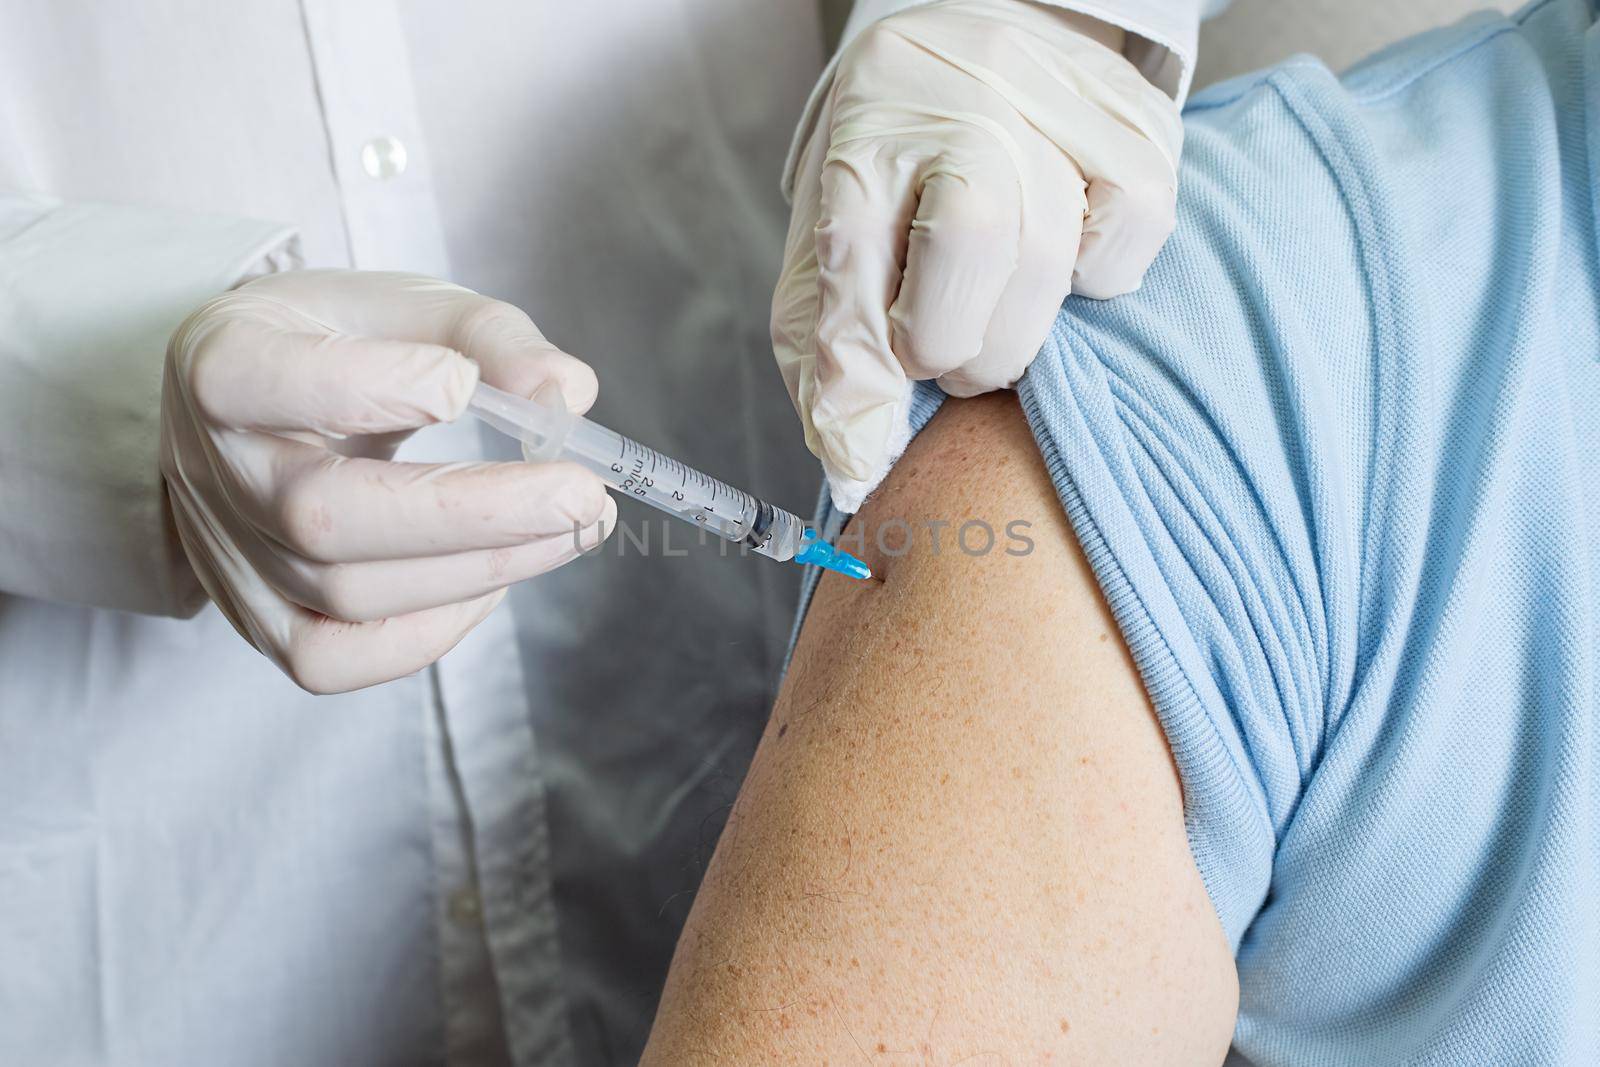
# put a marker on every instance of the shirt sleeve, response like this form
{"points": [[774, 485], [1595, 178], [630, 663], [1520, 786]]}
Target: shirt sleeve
{"points": [[89, 294], [1162, 43], [1212, 437]]}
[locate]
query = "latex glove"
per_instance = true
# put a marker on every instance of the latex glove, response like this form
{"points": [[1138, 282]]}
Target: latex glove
{"points": [[282, 404], [974, 161]]}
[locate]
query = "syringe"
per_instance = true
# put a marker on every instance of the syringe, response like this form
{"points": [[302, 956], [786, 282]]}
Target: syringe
{"points": [[548, 431]]}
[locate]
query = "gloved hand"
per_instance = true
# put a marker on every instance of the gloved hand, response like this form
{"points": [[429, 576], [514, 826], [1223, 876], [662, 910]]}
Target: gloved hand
{"points": [[282, 404], [974, 161]]}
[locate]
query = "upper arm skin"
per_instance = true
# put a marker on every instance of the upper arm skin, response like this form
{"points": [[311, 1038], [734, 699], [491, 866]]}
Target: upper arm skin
{"points": [[962, 835]]}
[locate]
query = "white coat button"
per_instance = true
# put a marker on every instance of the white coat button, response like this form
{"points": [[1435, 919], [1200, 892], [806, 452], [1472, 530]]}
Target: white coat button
{"points": [[465, 908], [383, 158]]}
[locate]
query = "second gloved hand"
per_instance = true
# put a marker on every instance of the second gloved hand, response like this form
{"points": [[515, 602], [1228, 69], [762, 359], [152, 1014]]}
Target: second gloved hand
{"points": [[282, 404], [974, 161]]}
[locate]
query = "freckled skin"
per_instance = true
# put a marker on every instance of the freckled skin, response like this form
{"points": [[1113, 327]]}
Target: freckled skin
{"points": [[973, 807]]}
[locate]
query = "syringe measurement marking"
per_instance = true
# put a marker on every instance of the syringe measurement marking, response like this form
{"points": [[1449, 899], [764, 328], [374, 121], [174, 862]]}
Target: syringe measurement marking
{"points": [[638, 483]]}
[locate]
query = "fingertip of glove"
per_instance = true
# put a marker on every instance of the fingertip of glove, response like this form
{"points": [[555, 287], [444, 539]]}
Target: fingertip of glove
{"points": [[601, 528], [580, 386], [545, 363], [851, 445], [838, 456], [459, 377], [584, 500]]}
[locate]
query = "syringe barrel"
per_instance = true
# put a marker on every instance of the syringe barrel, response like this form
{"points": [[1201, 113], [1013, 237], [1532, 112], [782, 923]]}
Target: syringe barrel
{"points": [[641, 473]]}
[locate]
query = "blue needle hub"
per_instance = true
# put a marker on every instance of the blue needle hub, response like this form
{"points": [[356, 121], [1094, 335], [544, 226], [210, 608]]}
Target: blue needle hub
{"points": [[816, 551]]}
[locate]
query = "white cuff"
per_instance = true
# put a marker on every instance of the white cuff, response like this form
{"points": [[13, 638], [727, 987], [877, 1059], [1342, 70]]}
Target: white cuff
{"points": [[89, 294]]}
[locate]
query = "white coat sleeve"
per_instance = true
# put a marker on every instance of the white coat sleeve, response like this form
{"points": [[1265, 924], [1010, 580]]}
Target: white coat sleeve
{"points": [[89, 294], [1162, 42]]}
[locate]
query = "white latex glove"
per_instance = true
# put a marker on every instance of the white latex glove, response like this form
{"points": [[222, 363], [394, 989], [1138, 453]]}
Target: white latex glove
{"points": [[282, 404], [974, 162]]}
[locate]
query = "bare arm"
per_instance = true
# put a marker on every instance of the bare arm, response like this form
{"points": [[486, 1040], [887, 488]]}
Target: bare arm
{"points": [[962, 836]]}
